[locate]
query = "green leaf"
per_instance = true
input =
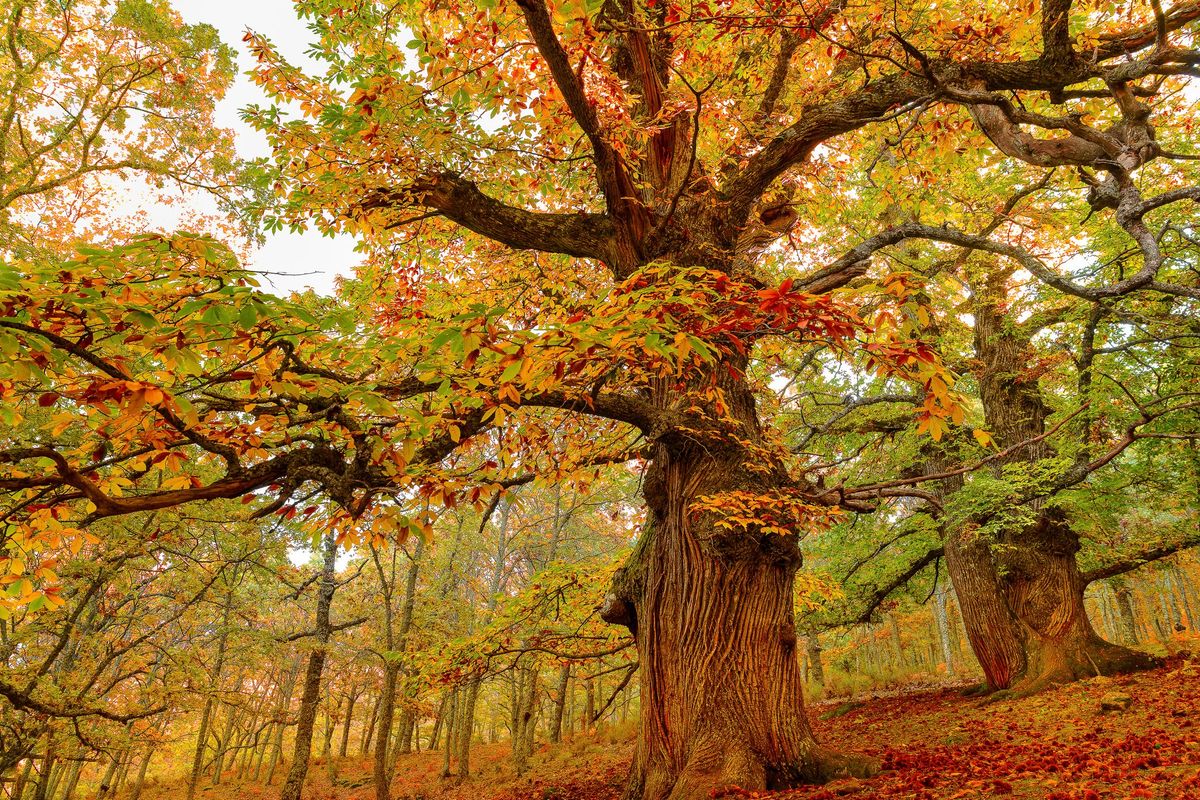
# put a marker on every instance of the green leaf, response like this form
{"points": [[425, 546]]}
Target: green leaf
{"points": [[248, 316], [510, 372], [143, 319]]}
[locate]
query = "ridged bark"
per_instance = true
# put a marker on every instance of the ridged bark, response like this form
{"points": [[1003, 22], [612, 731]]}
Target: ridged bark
{"points": [[712, 613], [1019, 588]]}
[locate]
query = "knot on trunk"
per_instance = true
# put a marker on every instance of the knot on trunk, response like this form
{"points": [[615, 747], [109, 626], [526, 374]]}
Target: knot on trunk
{"points": [[1050, 535], [616, 611]]}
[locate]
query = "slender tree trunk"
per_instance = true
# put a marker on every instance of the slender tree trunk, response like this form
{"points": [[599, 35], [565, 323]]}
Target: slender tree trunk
{"points": [[560, 703], [402, 742], [438, 720], [210, 701], [449, 725], [896, 641], [331, 721], [569, 711], [310, 699], [1180, 581], [73, 776], [42, 792], [395, 636], [524, 718], [408, 724], [1170, 603], [136, 793], [589, 703], [466, 727], [369, 730], [110, 775], [1108, 616], [1123, 599], [387, 707], [22, 778], [816, 669], [943, 628], [225, 739], [350, 701], [274, 734]]}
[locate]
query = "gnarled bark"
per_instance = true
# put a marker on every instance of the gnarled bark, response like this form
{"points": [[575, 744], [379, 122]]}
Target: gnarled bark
{"points": [[1019, 587], [1023, 610], [712, 612]]}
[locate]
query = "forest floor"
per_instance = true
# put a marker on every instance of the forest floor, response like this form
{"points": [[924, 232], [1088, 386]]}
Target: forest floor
{"points": [[1057, 745]]}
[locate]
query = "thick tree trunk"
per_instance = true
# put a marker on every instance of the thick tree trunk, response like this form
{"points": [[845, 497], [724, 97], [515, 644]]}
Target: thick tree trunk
{"points": [[1045, 590], [1014, 569], [1025, 616], [722, 697], [992, 630]]}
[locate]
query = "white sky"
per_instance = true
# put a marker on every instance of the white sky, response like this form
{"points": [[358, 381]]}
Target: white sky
{"points": [[311, 260], [308, 260]]}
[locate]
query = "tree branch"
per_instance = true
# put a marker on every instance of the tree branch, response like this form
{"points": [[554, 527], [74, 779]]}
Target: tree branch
{"points": [[459, 200], [26, 702], [886, 96], [882, 593], [341, 626], [1145, 557], [616, 185]]}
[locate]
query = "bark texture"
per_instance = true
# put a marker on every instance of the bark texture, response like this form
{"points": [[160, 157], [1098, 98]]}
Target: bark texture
{"points": [[1019, 585], [712, 612]]}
